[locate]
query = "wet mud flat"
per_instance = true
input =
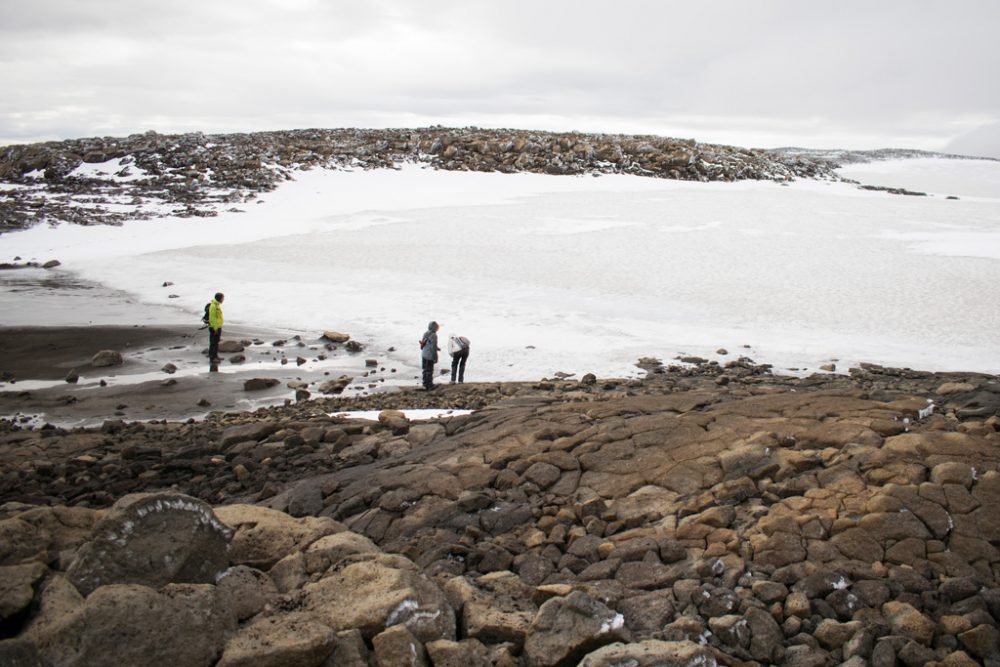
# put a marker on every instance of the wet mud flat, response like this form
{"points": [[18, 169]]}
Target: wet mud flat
{"points": [[165, 373]]}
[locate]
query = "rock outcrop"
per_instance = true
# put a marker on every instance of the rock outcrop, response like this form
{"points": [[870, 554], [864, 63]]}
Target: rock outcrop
{"points": [[670, 521]]}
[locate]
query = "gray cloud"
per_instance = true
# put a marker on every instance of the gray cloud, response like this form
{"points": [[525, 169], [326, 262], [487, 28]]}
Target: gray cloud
{"points": [[853, 74]]}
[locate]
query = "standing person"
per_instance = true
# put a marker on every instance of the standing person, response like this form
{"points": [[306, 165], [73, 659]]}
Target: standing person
{"points": [[429, 354], [458, 348], [215, 326]]}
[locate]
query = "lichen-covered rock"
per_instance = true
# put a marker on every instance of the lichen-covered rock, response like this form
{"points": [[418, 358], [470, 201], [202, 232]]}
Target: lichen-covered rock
{"points": [[153, 539]]}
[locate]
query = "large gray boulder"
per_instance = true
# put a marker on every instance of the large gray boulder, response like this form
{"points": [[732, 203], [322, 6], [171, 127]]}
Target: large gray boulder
{"points": [[153, 539]]}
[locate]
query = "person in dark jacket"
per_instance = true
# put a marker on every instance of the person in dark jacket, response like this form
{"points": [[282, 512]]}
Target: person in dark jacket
{"points": [[215, 326], [458, 348], [429, 354]]}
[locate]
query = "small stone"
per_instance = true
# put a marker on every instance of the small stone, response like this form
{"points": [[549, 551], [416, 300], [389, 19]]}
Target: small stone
{"points": [[336, 336], [106, 358], [258, 384]]}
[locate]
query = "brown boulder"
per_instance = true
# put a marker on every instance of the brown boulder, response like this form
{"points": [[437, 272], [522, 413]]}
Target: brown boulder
{"points": [[280, 641], [126, 625]]}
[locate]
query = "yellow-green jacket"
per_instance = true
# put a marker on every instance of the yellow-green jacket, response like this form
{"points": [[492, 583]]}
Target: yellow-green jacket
{"points": [[215, 315]]}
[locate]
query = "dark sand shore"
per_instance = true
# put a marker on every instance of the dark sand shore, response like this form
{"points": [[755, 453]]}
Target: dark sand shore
{"points": [[49, 353], [34, 362]]}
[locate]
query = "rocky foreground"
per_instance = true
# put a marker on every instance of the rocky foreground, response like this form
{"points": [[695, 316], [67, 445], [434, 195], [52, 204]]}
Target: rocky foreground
{"points": [[707, 515], [195, 174]]}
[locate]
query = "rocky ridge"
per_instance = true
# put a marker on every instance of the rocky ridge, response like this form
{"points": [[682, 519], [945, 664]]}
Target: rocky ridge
{"points": [[710, 514], [149, 175]]}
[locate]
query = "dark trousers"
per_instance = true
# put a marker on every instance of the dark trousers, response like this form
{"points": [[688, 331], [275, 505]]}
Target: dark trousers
{"points": [[428, 368], [458, 364], [214, 336]]}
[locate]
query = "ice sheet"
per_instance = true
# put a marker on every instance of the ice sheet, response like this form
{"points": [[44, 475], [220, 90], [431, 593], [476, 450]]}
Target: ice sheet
{"points": [[547, 273]]}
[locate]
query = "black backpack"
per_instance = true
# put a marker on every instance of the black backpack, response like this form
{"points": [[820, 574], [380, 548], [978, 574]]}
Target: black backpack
{"points": [[204, 317]]}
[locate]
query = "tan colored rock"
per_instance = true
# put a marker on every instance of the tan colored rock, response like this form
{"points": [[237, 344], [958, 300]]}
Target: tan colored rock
{"points": [[882, 526], [106, 358], [491, 624], [20, 541], [397, 646], [265, 536], [17, 586], [949, 388], [466, 653], [833, 634], [780, 549], [245, 591], [290, 573], [279, 641], [336, 336], [351, 650], [797, 604], [371, 595], [329, 550], [954, 625], [907, 621], [982, 641], [124, 624], [649, 653], [65, 528], [958, 659]]}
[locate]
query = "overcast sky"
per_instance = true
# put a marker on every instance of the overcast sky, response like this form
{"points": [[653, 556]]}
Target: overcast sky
{"points": [[851, 73]]}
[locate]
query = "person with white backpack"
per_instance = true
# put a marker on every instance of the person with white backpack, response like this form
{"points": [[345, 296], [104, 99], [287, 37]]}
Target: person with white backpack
{"points": [[458, 348]]}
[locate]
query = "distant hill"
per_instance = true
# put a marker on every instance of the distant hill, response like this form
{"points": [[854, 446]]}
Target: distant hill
{"points": [[107, 180], [145, 175]]}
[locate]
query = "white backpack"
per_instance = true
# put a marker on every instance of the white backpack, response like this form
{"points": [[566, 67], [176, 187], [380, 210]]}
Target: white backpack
{"points": [[457, 344]]}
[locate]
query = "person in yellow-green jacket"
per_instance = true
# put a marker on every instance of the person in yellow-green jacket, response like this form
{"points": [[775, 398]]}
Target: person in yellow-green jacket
{"points": [[215, 326]]}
